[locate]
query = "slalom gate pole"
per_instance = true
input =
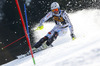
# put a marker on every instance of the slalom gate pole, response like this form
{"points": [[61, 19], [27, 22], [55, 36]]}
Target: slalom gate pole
{"points": [[26, 20], [23, 24]]}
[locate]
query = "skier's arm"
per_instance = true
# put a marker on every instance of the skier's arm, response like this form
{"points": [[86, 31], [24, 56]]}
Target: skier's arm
{"points": [[71, 31], [48, 15], [68, 22], [69, 25]]}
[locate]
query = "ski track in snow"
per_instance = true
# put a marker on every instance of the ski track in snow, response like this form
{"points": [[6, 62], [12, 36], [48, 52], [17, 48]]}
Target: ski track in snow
{"points": [[83, 51]]}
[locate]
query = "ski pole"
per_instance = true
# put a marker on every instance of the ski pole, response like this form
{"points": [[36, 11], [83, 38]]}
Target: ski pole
{"points": [[36, 29]]}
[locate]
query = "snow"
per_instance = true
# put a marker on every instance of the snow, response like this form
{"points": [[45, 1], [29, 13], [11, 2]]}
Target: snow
{"points": [[83, 51], [28, 2]]}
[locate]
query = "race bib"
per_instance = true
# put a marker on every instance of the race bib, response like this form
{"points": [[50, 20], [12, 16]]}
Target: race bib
{"points": [[60, 19]]}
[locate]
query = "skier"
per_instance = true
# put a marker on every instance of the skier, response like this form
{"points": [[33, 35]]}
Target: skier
{"points": [[62, 23]]}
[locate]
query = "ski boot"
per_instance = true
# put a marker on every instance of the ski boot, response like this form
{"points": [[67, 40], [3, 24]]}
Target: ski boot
{"points": [[40, 42], [45, 46], [37, 46]]}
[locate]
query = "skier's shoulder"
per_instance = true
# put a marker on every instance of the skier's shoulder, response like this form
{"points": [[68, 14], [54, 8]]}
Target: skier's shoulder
{"points": [[49, 14], [63, 11]]}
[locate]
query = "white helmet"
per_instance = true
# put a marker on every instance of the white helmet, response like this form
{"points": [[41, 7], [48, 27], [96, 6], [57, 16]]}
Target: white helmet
{"points": [[54, 5]]}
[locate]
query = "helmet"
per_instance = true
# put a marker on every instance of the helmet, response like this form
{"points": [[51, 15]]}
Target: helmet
{"points": [[54, 5]]}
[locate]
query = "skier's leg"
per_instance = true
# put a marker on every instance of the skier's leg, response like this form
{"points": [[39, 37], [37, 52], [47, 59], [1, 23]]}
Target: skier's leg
{"points": [[40, 42], [56, 31], [50, 40], [52, 35]]}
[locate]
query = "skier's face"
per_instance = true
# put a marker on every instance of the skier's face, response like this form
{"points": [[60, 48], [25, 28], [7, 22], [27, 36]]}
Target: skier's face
{"points": [[56, 11]]}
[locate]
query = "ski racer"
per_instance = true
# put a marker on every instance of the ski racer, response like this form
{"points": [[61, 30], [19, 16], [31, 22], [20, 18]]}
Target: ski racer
{"points": [[62, 22]]}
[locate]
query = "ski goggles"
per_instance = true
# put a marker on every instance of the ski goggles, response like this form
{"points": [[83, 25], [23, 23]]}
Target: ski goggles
{"points": [[55, 10]]}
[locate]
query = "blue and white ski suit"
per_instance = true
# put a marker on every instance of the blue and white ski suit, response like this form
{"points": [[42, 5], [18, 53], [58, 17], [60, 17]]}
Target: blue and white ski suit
{"points": [[62, 22]]}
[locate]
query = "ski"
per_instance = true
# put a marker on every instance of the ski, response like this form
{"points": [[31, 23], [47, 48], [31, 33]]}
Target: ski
{"points": [[41, 48]]}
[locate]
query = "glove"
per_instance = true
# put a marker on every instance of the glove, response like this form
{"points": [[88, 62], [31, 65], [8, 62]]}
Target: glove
{"points": [[40, 27], [73, 36]]}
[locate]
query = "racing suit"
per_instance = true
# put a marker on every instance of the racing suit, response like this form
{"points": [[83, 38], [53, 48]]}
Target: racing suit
{"points": [[62, 22]]}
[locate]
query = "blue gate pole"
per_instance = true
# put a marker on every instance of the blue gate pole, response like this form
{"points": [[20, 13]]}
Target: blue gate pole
{"points": [[26, 21]]}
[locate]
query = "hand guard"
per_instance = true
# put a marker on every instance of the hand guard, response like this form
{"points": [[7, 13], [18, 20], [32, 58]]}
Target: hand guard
{"points": [[40, 27], [73, 36]]}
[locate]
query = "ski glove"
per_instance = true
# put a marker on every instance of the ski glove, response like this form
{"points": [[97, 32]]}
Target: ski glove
{"points": [[40, 27], [73, 36]]}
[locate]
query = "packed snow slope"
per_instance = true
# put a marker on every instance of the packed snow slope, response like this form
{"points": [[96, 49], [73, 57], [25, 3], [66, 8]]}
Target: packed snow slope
{"points": [[83, 51]]}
